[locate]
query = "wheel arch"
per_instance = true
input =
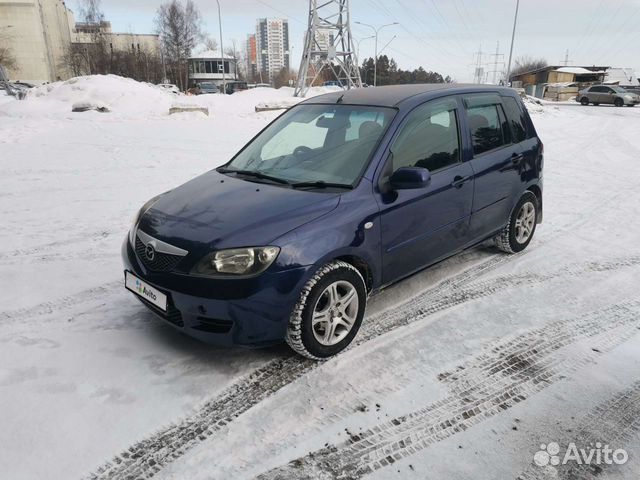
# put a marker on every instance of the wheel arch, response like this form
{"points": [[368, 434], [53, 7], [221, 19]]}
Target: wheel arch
{"points": [[537, 191], [362, 266]]}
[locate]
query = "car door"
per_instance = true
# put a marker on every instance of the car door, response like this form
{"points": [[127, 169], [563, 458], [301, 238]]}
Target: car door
{"points": [[421, 226], [595, 95], [610, 95], [496, 162]]}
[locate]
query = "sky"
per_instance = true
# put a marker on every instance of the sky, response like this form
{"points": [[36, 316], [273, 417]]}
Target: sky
{"points": [[439, 35]]}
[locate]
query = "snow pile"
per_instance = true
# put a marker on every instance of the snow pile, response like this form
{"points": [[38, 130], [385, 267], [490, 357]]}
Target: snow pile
{"points": [[534, 105], [245, 102], [125, 97]]}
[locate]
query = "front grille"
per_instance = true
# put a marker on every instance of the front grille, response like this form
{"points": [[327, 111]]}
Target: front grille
{"points": [[162, 262], [172, 315]]}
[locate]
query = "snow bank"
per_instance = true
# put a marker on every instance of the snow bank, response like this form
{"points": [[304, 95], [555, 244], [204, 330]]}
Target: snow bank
{"points": [[534, 105], [127, 98]]}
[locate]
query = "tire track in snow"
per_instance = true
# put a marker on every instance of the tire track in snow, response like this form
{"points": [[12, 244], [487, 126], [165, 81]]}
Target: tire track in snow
{"points": [[91, 294], [502, 376], [613, 422], [147, 457]]}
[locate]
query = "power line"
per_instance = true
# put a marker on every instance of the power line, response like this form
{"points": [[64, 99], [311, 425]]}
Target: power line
{"points": [[285, 14]]}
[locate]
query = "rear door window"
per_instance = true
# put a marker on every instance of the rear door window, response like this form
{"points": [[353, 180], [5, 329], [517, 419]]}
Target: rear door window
{"points": [[487, 123]]}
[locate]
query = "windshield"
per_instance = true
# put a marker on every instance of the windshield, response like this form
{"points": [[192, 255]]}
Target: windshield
{"points": [[316, 144], [619, 90]]}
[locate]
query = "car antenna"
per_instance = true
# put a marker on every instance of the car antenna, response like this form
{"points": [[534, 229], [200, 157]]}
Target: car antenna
{"points": [[340, 99]]}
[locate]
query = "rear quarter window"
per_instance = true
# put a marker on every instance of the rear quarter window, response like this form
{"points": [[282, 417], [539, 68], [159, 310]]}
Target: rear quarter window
{"points": [[515, 118]]}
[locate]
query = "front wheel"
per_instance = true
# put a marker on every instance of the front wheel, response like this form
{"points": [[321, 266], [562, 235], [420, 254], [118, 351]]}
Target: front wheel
{"points": [[518, 233], [329, 312], [584, 102], [618, 102]]}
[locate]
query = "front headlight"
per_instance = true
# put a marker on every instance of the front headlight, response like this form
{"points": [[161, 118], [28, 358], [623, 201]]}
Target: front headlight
{"points": [[136, 219], [237, 261]]}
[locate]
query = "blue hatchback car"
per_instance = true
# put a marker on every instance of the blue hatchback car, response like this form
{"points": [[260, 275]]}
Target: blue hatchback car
{"points": [[339, 197]]}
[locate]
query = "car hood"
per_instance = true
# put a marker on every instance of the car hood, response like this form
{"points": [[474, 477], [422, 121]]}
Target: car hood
{"points": [[216, 211]]}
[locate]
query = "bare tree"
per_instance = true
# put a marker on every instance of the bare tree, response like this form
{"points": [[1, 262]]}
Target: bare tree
{"points": [[7, 58], [210, 43], [233, 53], [526, 64], [91, 11], [90, 55], [180, 28]]}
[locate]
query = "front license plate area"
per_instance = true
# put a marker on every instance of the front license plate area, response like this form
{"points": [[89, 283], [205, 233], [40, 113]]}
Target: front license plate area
{"points": [[145, 291]]}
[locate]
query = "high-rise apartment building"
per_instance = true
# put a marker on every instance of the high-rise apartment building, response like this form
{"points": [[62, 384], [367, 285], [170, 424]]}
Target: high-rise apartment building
{"points": [[272, 46], [252, 58]]}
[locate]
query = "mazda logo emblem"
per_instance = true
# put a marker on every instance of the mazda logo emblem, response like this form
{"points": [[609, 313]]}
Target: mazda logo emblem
{"points": [[150, 252]]}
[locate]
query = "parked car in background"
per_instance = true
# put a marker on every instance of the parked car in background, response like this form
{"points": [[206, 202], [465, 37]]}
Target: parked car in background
{"points": [[171, 87], [634, 89], [339, 197], [205, 88], [233, 87], [608, 94], [333, 83]]}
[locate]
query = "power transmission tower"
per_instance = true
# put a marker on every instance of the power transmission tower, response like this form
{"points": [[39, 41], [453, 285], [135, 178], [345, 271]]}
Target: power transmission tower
{"points": [[478, 76], [329, 20], [496, 62], [566, 60]]}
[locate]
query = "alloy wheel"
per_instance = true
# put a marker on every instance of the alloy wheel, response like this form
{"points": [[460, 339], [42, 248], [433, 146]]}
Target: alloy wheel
{"points": [[525, 222], [335, 313]]}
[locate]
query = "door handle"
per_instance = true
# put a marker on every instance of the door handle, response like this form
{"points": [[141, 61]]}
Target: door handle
{"points": [[516, 158], [459, 181]]}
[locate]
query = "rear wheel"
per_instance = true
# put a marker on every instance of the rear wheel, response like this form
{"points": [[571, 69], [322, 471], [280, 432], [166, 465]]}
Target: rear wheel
{"points": [[518, 233], [584, 101], [618, 102], [329, 312]]}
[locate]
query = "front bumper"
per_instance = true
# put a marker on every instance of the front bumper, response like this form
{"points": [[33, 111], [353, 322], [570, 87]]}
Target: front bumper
{"points": [[250, 312]]}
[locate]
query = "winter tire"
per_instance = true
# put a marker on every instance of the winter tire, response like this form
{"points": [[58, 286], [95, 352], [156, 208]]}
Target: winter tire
{"points": [[329, 312], [584, 101], [618, 102], [518, 233]]}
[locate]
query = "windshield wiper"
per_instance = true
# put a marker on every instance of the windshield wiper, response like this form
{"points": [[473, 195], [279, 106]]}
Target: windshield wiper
{"points": [[255, 174], [322, 184]]}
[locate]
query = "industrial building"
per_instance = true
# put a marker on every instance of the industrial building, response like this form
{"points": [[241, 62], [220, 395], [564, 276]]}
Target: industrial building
{"points": [[561, 83], [39, 32]]}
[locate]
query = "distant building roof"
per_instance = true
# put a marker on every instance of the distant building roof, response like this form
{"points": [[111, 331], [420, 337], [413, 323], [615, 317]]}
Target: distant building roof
{"points": [[208, 55], [588, 70], [579, 71]]}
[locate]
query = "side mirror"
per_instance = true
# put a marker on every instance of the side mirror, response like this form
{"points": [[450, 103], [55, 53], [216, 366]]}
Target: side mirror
{"points": [[408, 178]]}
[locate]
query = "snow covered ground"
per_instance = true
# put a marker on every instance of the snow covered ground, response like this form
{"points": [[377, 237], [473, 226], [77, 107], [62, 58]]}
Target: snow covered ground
{"points": [[462, 371]]}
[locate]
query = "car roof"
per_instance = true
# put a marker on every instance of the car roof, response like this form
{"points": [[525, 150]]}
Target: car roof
{"points": [[394, 95]]}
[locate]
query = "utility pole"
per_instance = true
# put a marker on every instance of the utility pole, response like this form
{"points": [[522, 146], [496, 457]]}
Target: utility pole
{"points": [[329, 16], [375, 62], [358, 42], [566, 60], [513, 37], [224, 76]]}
